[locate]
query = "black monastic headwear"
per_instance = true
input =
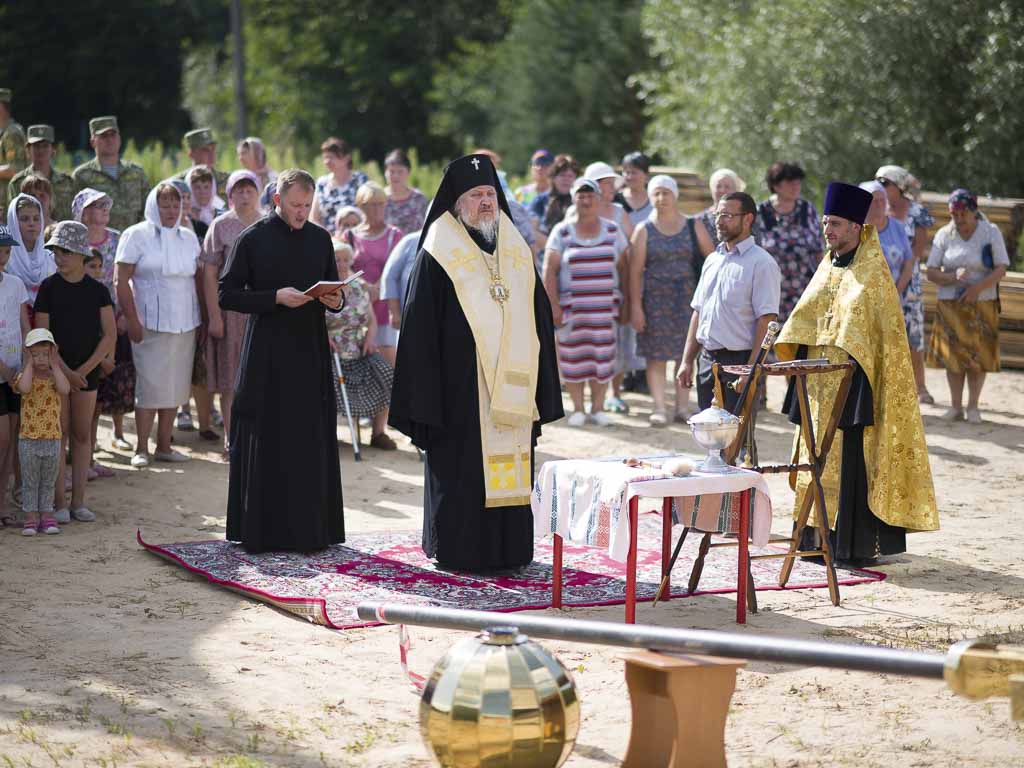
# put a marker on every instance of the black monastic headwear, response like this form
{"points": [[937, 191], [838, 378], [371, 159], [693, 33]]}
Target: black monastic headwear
{"points": [[460, 176], [847, 202]]}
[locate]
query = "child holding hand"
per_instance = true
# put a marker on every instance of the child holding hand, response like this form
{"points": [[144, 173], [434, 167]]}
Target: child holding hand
{"points": [[41, 385]]}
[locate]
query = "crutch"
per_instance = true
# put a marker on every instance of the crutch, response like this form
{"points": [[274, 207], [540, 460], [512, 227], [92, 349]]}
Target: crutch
{"points": [[353, 428]]}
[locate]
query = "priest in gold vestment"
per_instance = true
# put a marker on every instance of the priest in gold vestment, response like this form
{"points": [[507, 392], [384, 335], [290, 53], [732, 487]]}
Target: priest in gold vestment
{"points": [[476, 373], [877, 479]]}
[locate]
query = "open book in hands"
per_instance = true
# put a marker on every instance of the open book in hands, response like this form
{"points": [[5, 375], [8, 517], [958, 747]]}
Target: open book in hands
{"points": [[329, 286]]}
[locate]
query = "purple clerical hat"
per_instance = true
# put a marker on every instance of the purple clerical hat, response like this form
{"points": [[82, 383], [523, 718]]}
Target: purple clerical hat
{"points": [[847, 202]]}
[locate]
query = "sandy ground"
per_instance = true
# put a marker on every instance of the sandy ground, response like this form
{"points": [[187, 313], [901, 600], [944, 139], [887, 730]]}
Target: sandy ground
{"points": [[112, 657]]}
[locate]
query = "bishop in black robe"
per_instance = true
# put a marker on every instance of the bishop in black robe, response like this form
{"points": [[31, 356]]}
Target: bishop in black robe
{"points": [[435, 401], [284, 488]]}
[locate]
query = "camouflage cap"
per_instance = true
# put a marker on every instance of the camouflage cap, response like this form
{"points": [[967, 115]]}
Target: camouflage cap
{"points": [[6, 238], [71, 236], [39, 133], [100, 125], [200, 137], [6, 95]]}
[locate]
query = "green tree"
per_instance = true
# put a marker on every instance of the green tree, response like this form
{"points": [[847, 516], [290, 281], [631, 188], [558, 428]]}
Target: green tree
{"points": [[361, 72], [841, 87], [559, 79], [67, 62]]}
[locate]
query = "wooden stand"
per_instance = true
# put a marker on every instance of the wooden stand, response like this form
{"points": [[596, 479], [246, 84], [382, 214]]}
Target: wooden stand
{"points": [[815, 465], [680, 704]]}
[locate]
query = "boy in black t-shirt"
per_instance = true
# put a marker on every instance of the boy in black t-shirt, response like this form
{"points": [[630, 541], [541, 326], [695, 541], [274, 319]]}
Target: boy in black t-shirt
{"points": [[78, 311]]}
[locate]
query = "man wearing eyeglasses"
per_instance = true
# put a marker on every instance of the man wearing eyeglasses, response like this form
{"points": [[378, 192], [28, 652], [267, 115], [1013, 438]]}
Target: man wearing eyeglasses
{"points": [[736, 297]]}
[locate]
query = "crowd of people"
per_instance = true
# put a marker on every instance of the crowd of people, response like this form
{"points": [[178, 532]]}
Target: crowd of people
{"points": [[109, 290]]}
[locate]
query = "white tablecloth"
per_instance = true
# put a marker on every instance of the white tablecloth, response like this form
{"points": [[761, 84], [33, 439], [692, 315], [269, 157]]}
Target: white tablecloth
{"points": [[586, 500]]}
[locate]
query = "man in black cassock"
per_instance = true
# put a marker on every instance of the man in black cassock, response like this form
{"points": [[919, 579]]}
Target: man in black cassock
{"points": [[284, 489], [476, 373]]}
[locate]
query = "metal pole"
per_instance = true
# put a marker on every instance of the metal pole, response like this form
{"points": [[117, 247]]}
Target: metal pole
{"points": [[863, 658], [238, 61]]}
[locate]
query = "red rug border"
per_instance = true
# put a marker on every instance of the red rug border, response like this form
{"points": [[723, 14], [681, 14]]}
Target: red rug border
{"points": [[321, 604]]}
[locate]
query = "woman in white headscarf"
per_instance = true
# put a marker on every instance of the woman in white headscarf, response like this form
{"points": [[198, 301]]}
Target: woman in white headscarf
{"points": [[30, 261], [157, 262]]}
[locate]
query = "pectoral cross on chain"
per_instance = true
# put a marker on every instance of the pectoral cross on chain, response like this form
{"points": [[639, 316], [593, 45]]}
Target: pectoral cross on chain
{"points": [[476, 163]]}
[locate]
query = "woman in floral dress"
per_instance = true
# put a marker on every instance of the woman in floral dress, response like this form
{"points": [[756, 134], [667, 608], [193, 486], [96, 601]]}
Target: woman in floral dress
{"points": [[406, 206], [338, 187], [352, 334], [787, 226]]}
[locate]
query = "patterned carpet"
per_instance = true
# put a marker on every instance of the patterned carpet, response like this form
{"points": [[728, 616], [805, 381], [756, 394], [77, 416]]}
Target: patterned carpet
{"points": [[325, 587]]}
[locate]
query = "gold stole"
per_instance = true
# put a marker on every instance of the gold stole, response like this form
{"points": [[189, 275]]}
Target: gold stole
{"points": [[507, 350], [856, 313]]}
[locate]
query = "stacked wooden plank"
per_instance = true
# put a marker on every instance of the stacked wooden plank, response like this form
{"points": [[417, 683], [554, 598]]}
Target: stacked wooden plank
{"points": [[1006, 213]]}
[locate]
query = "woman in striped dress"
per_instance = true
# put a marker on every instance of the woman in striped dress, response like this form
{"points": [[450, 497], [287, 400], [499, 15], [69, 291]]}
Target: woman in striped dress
{"points": [[585, 276]]}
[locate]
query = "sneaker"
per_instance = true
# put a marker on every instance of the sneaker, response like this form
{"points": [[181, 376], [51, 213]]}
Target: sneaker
{"points": [[657, 419], [601, 419], [184, 421], [973, 416], [83, 515], [140, 460], [29, 529], [616, 405], [174, 457], [120, 444], [953, 414], [62, 515], [49, 526], [577, 419], [216, 418]]}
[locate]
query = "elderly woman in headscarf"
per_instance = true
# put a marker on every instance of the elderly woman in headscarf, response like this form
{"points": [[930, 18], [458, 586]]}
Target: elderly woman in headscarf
{"points": [[29, 261], [663, 272], [116, 393], [225, 328], [722, 182], [157, 262], [252, 154], [967, 261]]}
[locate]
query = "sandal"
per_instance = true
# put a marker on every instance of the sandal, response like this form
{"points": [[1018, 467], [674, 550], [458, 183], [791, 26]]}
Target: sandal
{"points": [[657, 419], [383, 442]]}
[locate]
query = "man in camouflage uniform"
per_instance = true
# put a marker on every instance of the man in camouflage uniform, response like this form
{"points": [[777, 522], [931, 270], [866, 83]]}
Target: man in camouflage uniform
{"points": [[40, 150], [12, 147], [125, 182], [202, 150]]}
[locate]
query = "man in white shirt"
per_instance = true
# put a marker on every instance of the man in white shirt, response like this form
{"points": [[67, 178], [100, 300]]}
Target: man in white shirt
{"points": [[736, 297]]}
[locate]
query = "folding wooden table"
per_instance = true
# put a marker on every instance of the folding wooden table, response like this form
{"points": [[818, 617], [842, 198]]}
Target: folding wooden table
{"points": [[738, 481]]}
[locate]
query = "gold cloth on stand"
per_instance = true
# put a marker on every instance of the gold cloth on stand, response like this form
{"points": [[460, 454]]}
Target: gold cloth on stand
{"points": [[859, 315], [507, 350]]}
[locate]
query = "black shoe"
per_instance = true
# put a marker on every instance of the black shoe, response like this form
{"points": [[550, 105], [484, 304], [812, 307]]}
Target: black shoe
{"points": [[640, 383]]}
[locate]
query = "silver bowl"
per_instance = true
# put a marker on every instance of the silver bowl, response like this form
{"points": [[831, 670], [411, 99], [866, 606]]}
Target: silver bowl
{"points": [[714, 429]]}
